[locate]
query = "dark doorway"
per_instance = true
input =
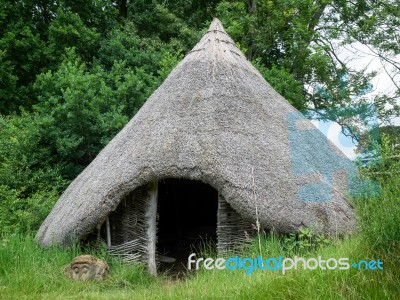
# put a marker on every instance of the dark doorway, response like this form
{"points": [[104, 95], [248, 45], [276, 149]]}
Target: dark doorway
{"points": [[187, 220]]}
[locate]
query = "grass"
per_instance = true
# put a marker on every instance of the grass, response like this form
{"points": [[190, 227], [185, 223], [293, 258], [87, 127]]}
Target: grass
{"points": [[30, 272]]}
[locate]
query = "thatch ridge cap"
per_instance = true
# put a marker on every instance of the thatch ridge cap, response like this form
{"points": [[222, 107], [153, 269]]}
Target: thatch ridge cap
{"points": [[216, 25]]}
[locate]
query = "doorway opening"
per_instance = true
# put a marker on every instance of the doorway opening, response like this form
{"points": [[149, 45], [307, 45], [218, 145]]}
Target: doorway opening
{"points": [[187, 221]]}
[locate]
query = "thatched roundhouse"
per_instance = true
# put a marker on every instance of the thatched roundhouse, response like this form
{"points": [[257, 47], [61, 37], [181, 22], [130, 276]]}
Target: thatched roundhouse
{"points": [[208, 154]]}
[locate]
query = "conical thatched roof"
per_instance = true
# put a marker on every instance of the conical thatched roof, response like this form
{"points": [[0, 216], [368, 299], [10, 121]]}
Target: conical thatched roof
{"points": [[217, 120]]}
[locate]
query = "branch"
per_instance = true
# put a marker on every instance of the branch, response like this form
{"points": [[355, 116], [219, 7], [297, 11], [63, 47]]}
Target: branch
{"points": [[388, 74], [392, 62], [315, 18], [332, 52]]}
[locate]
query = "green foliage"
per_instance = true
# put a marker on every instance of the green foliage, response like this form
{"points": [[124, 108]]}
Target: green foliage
{"points": [[124, 44], [379, 217], [391, 134], [68, 30], [30, 178], [155, 20], [284, 83], [24, 214], [101, 15], [25, 164], [305, 240], [8, 83], [22, 56], [78, 113], [33, 37]]}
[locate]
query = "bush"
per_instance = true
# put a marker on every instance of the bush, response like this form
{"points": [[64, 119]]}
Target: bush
{"points": [[30, 179], [21, 214]]}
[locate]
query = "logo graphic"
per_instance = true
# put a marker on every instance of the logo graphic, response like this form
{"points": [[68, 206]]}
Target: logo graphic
{"points": [[311, 158], [249, 265]]}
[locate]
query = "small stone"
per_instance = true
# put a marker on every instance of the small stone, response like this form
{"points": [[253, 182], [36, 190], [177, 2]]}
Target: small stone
{"points": [[87, 267]]}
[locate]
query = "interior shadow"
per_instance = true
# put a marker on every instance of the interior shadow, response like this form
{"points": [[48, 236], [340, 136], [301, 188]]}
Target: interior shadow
{"points": [[187, 222]]}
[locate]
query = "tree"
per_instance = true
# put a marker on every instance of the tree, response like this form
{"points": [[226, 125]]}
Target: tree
{"points": [[34, 35], [77, 113], [302, 39]]}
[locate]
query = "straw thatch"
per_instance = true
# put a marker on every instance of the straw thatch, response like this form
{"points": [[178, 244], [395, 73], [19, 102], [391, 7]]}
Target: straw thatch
{"points": [[217, 120]]}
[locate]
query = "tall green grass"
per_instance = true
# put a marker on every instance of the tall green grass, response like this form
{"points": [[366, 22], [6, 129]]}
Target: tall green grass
{"points": [[379, 217], [30, 272]]}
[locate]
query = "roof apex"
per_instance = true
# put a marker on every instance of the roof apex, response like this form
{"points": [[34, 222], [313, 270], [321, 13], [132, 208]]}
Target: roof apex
{"points": [[216, 44], [216, 25]]}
